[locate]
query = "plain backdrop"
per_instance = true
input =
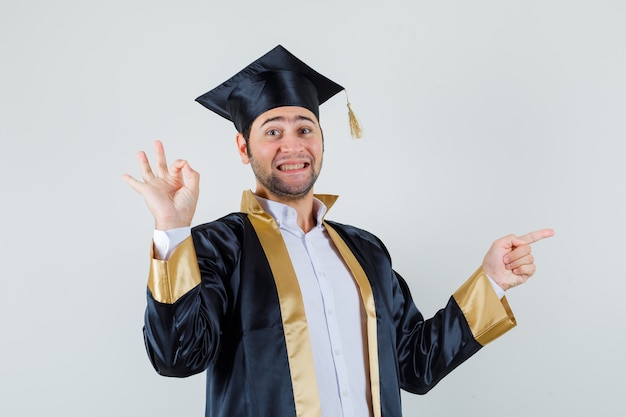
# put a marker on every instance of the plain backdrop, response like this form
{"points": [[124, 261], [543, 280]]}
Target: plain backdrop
{"points": [[481, 118]]}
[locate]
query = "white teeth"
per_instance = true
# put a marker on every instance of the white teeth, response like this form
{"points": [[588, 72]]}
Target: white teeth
{"points": [[290, 167]]}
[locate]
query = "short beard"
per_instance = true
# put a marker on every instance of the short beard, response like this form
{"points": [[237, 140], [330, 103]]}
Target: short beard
{"points": [[279, 188]]}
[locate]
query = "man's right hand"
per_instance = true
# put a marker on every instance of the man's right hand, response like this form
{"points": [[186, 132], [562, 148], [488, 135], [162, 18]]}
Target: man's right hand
{"points": [[171, 194]]}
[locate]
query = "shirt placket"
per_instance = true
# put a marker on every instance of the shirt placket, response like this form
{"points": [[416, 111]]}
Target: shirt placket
{"points": [[331, 319]]}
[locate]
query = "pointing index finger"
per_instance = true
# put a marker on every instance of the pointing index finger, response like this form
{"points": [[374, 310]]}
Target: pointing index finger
{"points": [[535, 236]]}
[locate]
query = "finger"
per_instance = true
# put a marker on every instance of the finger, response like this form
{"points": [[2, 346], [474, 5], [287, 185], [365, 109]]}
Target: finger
{"points": [[525, 271], [161, 163], [192, 178], [517, 263], [533, 237], [517, 253], [134, 183], [177, 167], [144, 166]]}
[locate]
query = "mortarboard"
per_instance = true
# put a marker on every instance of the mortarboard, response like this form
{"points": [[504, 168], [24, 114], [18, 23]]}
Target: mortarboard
{"points": [[276, 79]]}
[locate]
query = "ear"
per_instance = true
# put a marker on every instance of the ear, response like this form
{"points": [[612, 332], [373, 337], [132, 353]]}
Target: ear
{"points": [[242, 147]]}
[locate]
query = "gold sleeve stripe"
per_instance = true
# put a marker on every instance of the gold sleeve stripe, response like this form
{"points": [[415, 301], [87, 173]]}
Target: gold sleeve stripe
{"points": [[170, 280], [487, 316], [367, 298], [299, 350]]}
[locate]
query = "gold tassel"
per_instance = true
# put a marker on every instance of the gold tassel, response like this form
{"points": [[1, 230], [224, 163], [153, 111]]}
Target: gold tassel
{"points": [[355, 126]]}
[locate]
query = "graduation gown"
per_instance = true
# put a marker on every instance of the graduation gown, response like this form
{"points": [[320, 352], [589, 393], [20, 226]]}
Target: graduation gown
{"points": [[228, 302]]}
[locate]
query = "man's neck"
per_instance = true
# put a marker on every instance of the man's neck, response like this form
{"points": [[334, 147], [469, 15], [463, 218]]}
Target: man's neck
{"points": [[303, 207]]}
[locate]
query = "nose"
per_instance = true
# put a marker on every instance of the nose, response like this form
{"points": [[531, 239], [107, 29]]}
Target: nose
{"points": [[291, 143]]}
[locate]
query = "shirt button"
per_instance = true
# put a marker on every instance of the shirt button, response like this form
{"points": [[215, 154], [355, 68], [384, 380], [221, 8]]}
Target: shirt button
{"points": [[344, 393], [337, 352], [330, 312]]}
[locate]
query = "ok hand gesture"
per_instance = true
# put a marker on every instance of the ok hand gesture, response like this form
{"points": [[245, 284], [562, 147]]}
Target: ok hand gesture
{"points": [[171, 194]]}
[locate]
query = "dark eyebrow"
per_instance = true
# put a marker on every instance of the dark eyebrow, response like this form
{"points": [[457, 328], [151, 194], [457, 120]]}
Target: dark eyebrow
{"points": [[282, 119]]}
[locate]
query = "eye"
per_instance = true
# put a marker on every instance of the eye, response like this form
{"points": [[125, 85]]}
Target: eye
{"points": [[305, 131], [273, 132]]}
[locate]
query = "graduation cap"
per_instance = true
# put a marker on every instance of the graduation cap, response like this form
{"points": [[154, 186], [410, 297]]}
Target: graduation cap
{"points": [[276, 79]]}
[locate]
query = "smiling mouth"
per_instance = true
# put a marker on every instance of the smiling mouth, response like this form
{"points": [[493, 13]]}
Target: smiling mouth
{"points": [[292, 167]]}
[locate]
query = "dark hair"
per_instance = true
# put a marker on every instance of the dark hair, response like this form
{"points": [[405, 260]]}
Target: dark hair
{"points": [[246, 133]]}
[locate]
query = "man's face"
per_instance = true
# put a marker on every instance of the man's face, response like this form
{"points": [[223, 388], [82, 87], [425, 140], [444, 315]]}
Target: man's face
{"points": [[285, 150]]}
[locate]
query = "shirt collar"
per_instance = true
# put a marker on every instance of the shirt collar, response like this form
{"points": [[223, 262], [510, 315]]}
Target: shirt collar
{"points": [[282, 213]]}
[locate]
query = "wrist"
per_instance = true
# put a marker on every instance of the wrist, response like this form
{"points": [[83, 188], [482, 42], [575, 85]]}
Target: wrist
{"points": [[168, 224]]}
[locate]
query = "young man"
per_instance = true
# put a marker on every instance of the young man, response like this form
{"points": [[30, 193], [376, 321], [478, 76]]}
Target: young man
{"points": [[291, 314]]}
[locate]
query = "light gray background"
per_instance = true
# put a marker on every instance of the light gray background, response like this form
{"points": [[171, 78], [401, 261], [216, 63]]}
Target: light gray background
{"points": [[481, 118]]}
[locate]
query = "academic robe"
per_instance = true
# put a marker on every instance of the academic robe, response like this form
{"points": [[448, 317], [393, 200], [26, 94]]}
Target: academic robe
{"points": [[228, 302]]}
